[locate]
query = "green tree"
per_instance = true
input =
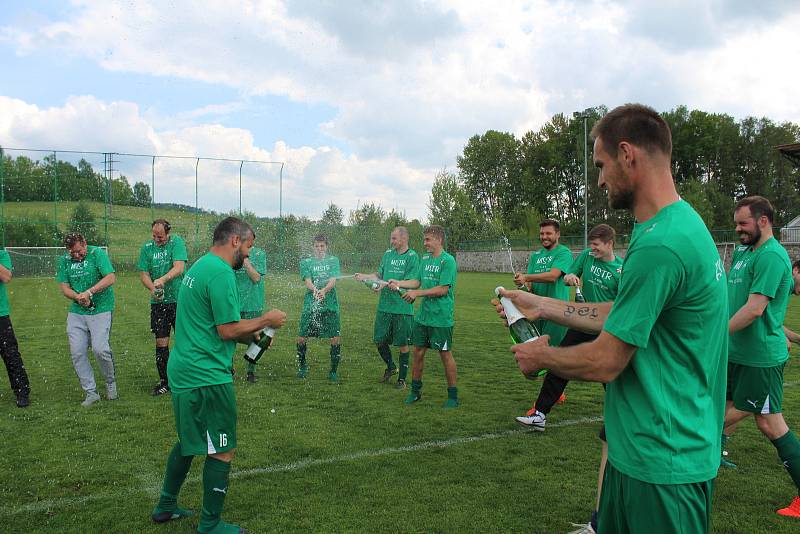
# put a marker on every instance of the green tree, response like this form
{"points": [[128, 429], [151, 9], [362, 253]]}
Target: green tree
{"points": [[451, 207], [82, 221], [141, 194]]}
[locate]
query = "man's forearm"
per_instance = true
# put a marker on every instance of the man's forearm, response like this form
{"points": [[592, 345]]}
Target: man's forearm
{"points": [[587, 317], [791, 335], [541, 278], [741, 319], [577, 362], [104, 283]]}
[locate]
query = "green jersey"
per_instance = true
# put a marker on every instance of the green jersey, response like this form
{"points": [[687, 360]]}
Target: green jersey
{"points": [[320, 271], [396, 266], [208, 297], [542, 261], [766, 271], [251, 294], [82, 275], [157, 261], [664, 411], [600, 278], [5, 261], [437, 271]]}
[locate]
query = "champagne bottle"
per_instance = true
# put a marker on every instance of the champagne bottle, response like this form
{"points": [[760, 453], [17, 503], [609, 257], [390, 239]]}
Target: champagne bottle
{"points": [[579, 295], [258, 348], [158, 293], [373, 283], [522, 330]]}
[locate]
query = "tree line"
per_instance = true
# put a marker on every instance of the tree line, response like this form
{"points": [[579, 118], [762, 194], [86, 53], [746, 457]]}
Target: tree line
{"points": [[504, 185]]}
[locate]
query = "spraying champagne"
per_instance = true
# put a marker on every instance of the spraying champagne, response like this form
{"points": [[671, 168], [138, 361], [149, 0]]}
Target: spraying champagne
{"points": [[522, 330]]}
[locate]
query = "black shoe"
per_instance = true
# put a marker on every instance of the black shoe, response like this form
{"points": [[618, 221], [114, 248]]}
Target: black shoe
{"points": [[401, 384], [23, 401], [160, 389], [251, 377], [387, 374]]}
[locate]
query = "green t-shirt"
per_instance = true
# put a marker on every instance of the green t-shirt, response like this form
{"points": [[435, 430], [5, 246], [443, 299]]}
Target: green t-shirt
{"points": [[766, 271], [208, 297], [81, 275], [251, 294], [542, 261], [320, 271], [600, 279], [157, 261], [398, 267], [433, 271], [5, 261], [664, 412]]}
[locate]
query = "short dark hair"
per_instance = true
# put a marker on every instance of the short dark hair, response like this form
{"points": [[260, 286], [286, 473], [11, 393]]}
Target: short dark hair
{"points": [[321, 238], [550, 222], [402, 229], [603, 232], [162, 222], [229, 227], [796, 265], [72, 239], [637, 124], [758, 206], [434, 230]]}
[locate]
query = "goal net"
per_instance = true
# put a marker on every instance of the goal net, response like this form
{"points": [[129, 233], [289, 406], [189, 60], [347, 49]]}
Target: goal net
{"points": [[36, 261]]}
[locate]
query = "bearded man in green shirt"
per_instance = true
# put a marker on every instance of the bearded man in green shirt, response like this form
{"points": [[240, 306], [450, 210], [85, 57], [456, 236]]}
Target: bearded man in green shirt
{"points": [[203, 401], [662, 344], [161, 265], [760, 283], [250, 282]]}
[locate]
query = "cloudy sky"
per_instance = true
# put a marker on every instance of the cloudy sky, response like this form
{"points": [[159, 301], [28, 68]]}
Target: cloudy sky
{"points": [[364, 101]]}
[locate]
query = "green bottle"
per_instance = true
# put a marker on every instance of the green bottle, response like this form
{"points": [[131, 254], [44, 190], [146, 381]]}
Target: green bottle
{"points": [[579, 296], [258, 348], [522, 330]]}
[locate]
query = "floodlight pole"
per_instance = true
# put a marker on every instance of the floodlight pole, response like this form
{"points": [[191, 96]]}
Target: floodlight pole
{"points": [[153, 189]]}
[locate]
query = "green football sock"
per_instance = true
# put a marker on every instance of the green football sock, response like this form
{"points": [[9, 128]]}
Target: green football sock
{"points": [[404, 357], [789, 452], [177, 468], [251, 367], [215, 488], [301, 354], [452, 392], [336, 357], [386, 356], [416, 386]]}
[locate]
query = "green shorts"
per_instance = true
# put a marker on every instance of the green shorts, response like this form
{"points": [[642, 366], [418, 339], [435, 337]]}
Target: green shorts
{"points": [[205, 418], [630, 505], [434, 337], [324, 324], [756, 389], [393, 328]]}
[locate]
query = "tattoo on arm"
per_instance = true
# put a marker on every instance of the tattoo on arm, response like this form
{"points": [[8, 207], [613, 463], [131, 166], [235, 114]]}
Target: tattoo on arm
{"points": [[582, 311]]}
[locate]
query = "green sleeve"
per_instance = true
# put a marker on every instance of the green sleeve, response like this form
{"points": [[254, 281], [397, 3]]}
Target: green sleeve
{"points": [[260, 262], [5, 260], [382, 266], [304, 270], [179, 252], [768, 272], [531, 263], [577, 266], [336, 268], [447, 277], [224, 300], [61, 273], [412, 268], [103, 263], [144, 259], [650, 278], [563, 260]]}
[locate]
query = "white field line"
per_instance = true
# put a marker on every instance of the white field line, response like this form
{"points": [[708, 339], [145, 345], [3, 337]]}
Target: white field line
{"points": [[153, 490]]}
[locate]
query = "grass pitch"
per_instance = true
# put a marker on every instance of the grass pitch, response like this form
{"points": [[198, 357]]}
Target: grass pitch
{"points": [[349, 457]]}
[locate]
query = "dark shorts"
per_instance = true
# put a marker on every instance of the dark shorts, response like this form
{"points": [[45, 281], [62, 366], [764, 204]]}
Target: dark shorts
{"points": [[322, 324], [205, 419], [162, 319], [393, 329], [756, 389], [432, 337], [628, 505]]}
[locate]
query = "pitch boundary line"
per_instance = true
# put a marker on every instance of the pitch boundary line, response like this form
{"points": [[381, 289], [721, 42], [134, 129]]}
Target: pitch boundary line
{"points": [[50, 504]]}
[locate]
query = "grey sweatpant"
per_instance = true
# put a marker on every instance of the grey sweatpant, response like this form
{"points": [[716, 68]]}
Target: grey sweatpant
{"points": [[83, 330]]}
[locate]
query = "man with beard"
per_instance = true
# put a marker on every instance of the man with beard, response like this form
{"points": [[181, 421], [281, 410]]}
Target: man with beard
{"points": [[207, 328], [662, 344], [759, 285], [545, 277]]}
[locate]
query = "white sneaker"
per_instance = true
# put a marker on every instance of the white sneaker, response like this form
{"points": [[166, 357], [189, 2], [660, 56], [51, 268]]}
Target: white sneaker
{"points": [[111, 391], [536, 421], [583, 529], [90, 399]]}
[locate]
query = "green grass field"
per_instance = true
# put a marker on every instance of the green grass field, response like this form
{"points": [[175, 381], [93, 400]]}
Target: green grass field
{"points": [[349, 457]]}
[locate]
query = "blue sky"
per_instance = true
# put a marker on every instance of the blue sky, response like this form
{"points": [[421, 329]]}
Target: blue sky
{"points": [[364, 101]]}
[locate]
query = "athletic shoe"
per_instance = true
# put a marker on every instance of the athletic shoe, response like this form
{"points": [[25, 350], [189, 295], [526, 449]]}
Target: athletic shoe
{"points": [[111, 391], [302, 372], [725, 463], [387, 374], [332, 376], [582, 529], [535, 421], [401, 384], [23, 401], [531, 411], [793, 510], [413, 397], [162, 516], [224, 528], [90, 399], [160, 389], [562, 399], [451, 403], [251, 377]]}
